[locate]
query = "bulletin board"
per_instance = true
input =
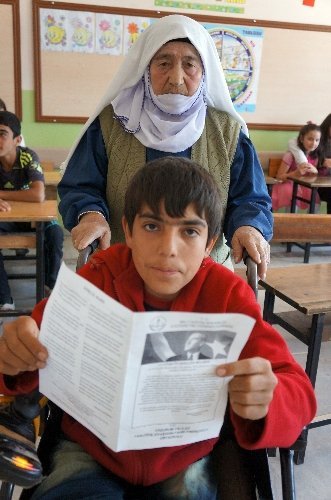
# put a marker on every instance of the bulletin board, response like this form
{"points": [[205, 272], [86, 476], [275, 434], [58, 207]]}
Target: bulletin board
{"points": [[10, 56], [293, 83]]}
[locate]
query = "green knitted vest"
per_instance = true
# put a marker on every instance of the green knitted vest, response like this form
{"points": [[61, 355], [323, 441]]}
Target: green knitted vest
{"points": [[214, 151]]}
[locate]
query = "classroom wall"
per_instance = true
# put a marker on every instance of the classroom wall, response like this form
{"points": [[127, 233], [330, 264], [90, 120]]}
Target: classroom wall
{"points": [[53, 135]]}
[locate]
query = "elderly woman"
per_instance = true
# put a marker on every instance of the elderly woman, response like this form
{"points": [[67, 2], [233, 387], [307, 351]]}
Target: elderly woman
{"points": [[168, 98]]}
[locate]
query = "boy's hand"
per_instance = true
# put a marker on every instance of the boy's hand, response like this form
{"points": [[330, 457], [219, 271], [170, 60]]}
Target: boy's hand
{"points": [[20, 349], [92, 226], [4, 206], [252, 387]]}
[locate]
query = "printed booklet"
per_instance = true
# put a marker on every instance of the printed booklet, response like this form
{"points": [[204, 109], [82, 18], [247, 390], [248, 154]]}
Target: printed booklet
{"points": [[137, 380]]}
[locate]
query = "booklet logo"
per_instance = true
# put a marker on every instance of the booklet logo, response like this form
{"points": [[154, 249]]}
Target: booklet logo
{"points": [[157, 324]]}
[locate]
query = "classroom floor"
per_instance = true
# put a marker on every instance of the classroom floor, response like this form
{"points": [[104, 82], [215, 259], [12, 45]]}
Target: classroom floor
{"points": [[312, 478]]}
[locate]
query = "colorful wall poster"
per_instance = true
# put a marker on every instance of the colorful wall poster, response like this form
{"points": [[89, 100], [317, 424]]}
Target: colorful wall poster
{"points": [[132, 28], [109, 34], [53, 28], [239, 49], [80, 35]]}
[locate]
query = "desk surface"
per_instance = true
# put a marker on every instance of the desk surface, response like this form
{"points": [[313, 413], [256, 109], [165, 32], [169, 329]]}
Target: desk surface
{"points": [[52, 177], [23, 211], [271, 180], [311, 181], [306, 287]]}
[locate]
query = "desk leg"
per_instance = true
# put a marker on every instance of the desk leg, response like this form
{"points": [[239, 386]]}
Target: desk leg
{"points": [[307, 253], [40, 261], [268, 307], [312, 206], [294, 197], [293, 209], [314, 346]]}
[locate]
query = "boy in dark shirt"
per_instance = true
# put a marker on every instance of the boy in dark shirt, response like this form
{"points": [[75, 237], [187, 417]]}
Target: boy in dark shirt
{"points": [[22, 179]]}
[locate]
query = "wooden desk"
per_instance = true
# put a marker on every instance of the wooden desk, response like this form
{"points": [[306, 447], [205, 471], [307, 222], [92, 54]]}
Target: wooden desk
{"points": [[39, 213], [312, 182], [52, 178], [270, 182], [307, 289]]}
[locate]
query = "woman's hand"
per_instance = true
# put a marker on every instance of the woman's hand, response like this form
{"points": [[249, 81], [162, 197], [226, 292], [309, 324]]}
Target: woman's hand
{"points": [[92, 226], [249, 238]]}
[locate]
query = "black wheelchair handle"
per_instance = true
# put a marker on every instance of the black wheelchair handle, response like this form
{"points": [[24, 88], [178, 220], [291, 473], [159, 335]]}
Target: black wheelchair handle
{"points": [[85, 253], [251, 272]]}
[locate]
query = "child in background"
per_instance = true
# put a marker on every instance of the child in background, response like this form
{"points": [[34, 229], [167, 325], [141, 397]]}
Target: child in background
{"points": [[22, 179], [324, 147], [3, 107], [308, 142]]}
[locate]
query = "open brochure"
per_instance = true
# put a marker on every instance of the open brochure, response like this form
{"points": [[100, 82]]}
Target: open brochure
{"points": [[126, 376]]}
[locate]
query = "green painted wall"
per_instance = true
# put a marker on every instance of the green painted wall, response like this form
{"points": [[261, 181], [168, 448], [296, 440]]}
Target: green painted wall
{"points": [[45, 135], [62, 135]]}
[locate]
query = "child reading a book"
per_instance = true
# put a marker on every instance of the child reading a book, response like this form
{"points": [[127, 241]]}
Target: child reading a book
{"points": [[171, 222]]}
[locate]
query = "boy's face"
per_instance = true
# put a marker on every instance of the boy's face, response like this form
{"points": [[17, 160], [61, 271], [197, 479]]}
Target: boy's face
{"points": [[8, 142], [166, 251]]}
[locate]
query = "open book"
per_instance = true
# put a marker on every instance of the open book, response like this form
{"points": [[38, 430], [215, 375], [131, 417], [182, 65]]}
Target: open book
{"points": [[126, 376]]}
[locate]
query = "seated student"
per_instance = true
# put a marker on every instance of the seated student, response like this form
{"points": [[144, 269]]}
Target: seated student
{"points": [[325, 158], [308, 141], [3, 107], [171, 222], [21, 179]]}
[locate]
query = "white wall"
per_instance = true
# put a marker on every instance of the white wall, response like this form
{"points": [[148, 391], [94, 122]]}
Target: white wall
{"points": [[272, 10]]}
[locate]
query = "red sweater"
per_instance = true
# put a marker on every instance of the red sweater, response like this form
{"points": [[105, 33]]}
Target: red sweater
{"points": [[214, 289]]}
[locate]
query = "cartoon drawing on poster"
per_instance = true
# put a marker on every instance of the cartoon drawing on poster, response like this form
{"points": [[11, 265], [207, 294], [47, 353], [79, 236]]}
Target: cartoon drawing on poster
{"points": [[133, 27], [81, 32], [53, 30], [109, 29], [239, 50]]}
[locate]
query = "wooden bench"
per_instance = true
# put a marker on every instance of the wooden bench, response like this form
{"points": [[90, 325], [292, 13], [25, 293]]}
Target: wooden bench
{"points": [[16, 241], [304, 228], [19, 240]]}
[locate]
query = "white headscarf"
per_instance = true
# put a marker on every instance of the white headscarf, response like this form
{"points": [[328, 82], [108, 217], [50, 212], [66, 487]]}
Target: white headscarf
{"points": [[137, 61], [168, 122]]}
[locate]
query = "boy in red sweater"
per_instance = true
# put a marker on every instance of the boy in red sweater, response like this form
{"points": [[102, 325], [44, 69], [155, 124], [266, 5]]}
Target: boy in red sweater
{"points": [[171, 222]]}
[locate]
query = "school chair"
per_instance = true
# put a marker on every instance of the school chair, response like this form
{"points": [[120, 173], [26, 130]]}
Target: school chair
{"points": [[270, 177], [273, 166], [244, 474]]}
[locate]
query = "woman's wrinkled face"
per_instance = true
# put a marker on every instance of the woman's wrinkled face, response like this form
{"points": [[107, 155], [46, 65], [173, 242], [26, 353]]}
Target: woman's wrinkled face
{"points": [[176, 68]]}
